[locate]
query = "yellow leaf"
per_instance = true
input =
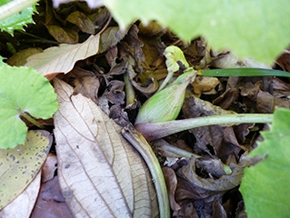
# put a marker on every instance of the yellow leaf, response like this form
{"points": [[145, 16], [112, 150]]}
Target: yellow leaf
{"points": [[24, 203], [20, 165]]}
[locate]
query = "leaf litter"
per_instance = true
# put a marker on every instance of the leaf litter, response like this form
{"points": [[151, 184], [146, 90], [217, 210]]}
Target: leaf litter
{"points": [[197, 186]]}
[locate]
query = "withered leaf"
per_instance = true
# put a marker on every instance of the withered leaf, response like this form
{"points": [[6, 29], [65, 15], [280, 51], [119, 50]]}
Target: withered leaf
{"points": [[205, 85], [23, 204], [84, 82], [82, 21], [171, 183], [63, 35], [61, 59], [50, 202], [20, 165], [202, 188], [266, 102], [210, 139], [284, 61], [110, 37], [100, 173]]}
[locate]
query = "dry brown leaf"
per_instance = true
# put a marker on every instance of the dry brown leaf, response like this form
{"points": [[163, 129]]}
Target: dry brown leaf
{"points": [[205, 85], [24, 203], [266, 102], [61, 59], [100, 173], [49, 167], [171, 183], [81, 20], [19, 58], [198, 187], [50, 202], [209, 139], [62, 34], [84, 82]]}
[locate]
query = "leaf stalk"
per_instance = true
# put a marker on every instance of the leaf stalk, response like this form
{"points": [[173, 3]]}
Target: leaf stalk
{"points": [[32, 120], [153, 131]]}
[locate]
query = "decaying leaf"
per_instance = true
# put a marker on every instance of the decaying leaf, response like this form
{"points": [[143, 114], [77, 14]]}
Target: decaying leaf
{"points": [[50, 202], [99, 172], [62, 34], [19, 58], [62, 59], [82, 21], [20, 165], [24, 203], [205, 85], [84, 82], [110, 37], [204, 191], [211, 140], [266, 103], [49, 167], [284, 60], [171, 183]]}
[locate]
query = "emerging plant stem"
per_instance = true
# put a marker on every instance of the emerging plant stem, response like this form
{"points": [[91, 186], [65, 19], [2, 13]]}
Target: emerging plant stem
{"points": [[152, 131], [14, 7], [32, 120]]}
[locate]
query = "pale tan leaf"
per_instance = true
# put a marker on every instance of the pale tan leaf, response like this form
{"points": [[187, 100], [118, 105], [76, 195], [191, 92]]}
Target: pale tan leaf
{"points": [[61, 59], [100, 173], [49, 167], [24, 203], [20, 165]]}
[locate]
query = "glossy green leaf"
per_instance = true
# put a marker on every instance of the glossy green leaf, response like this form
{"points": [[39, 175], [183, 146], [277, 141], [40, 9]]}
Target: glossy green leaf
{"points": [[16, 20], [255, 29], [20, 165], [265, 186], [22, 90]]}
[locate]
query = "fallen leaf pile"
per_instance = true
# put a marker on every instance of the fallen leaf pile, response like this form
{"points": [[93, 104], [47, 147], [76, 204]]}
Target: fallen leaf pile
{"points": [[102, 76]]}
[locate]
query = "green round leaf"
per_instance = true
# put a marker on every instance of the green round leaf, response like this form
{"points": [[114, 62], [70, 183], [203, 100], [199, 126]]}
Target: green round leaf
{"points": [[22, 90], [256, 29], [265, 186]]}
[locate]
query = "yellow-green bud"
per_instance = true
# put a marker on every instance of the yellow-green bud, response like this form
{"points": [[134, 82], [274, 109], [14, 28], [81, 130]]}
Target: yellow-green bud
{"points": [[166, 104]]}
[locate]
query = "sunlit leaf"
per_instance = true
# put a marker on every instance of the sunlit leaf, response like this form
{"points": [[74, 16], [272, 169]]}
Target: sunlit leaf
{"points": [[256, 29], [22, 90], [265, 186]]}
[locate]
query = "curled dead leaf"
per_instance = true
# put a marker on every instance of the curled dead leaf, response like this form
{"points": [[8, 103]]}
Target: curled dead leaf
{"points": [[171, 183]]}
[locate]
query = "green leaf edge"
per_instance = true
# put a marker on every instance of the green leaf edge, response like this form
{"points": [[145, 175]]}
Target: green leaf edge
{"points": [[17, 14], [279, 125]]}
